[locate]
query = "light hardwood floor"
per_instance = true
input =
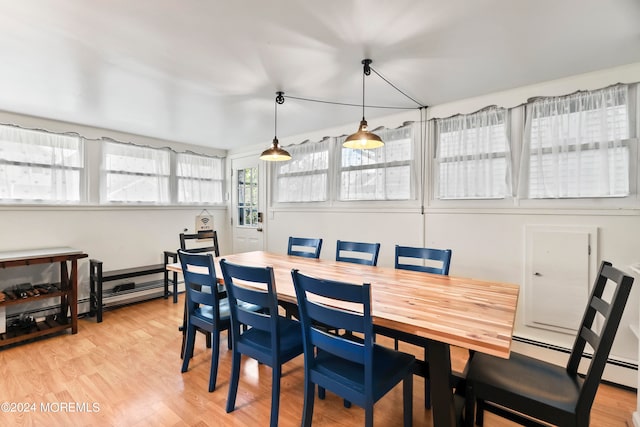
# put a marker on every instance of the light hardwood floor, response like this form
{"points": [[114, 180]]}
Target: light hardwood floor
{"points": [[126, 372]]}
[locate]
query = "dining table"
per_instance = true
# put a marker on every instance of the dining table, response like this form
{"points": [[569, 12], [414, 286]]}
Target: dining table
{"points": [[433, 310]]}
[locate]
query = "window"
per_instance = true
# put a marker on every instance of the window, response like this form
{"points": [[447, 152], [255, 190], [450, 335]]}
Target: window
{"points": [[248, 197], [304, 177], [384, 173], [200, 178], [577, 145], [38, 166], [135, 174], [473, 156]]}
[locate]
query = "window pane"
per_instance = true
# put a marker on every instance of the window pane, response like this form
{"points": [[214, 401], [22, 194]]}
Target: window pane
{"points": [[39, 184], [380, 174], [199, 179], [135, 174], [304, 178], [38, 166], [472, 155], [578, 145], [248, 197]]}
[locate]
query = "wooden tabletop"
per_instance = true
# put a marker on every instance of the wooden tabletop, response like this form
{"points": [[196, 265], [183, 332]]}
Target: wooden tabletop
{"points": [[469, 313]]}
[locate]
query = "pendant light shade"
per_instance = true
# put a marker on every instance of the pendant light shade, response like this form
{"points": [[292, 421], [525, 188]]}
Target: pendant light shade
{"points": [[363, 139], [275, 153]]}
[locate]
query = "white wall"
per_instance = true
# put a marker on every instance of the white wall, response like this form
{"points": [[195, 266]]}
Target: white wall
{"points": [[121, 237], [488, 241]]}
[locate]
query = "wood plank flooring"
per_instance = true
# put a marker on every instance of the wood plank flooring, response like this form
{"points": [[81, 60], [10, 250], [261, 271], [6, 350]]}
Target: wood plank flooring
{"points": [[126, 372]]}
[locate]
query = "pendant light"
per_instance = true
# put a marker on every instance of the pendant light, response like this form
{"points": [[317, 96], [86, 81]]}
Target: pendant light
{"points": [[363, 139], [275, 153]]}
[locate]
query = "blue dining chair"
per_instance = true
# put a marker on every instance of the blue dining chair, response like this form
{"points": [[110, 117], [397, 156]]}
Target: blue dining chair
{"points": [[346, 251], [356, 369], [265, 335], [442, 256], [205, 310], [302, 246], [442, 261]]}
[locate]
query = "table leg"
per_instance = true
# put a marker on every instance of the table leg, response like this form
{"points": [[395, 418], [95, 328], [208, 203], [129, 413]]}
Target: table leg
{"points": [[73, 297], [65, 288], [442, 405]]}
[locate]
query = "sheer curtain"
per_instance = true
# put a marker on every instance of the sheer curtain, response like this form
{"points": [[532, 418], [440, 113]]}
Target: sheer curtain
{"points": [[577, 145], [473, 155], [199, 178], [135, 174], [386, 173], [305, 177], [38, 166]]}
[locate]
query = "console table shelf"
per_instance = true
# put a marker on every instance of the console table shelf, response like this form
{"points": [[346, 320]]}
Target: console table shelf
{"points": [[67, 293]]}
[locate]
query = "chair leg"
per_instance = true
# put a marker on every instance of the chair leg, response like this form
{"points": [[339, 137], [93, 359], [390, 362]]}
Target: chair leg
{"points": [[395, 344], [368, 415], [309, 397], [228, 339], [407, 396], [213, 374], [208, 335], [275, 394], [233, 386], [479, 412], [187, 353], [469, 403], [321, 393], [427, 383]]}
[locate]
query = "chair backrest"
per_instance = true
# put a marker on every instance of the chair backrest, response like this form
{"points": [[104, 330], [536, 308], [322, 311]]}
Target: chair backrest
{"points": [[253, 285], [207, 241], [350, 248], [199, 280], [315, 317], [301, 246], [618, 285], [441, 255]]}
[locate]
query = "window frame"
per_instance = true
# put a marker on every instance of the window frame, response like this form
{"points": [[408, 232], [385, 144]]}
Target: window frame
{"points": [[414, 164], [104, 173], [507, 154], [52, 166], [595, 202], [175, 179], [327, 143]]}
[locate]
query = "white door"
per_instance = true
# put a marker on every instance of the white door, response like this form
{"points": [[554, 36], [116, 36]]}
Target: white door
{"points": [[248, 199], [558, 270]]}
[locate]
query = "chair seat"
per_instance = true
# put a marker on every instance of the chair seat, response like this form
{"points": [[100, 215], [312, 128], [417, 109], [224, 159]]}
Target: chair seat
{"points": [[525, 383], [389, 368], [206, 312], [290, 339]]}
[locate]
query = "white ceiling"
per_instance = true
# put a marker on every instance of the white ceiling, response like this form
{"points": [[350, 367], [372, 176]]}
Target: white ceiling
{"points": [[205, 72]]}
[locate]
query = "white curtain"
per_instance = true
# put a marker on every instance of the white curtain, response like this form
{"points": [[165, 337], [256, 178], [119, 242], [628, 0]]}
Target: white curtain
{"points": [[200, 178], [135, 174], [305, 177], [386, 173], [38, 166], [577, 145], [473, 155]]}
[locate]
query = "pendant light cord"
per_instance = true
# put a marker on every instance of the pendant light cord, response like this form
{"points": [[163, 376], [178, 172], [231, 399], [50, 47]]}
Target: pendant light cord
{"points": [[279, 100], [364, 73]]}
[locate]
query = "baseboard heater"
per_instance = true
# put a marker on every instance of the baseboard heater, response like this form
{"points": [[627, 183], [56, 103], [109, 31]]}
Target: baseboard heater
{"points": [[548, 346]]}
